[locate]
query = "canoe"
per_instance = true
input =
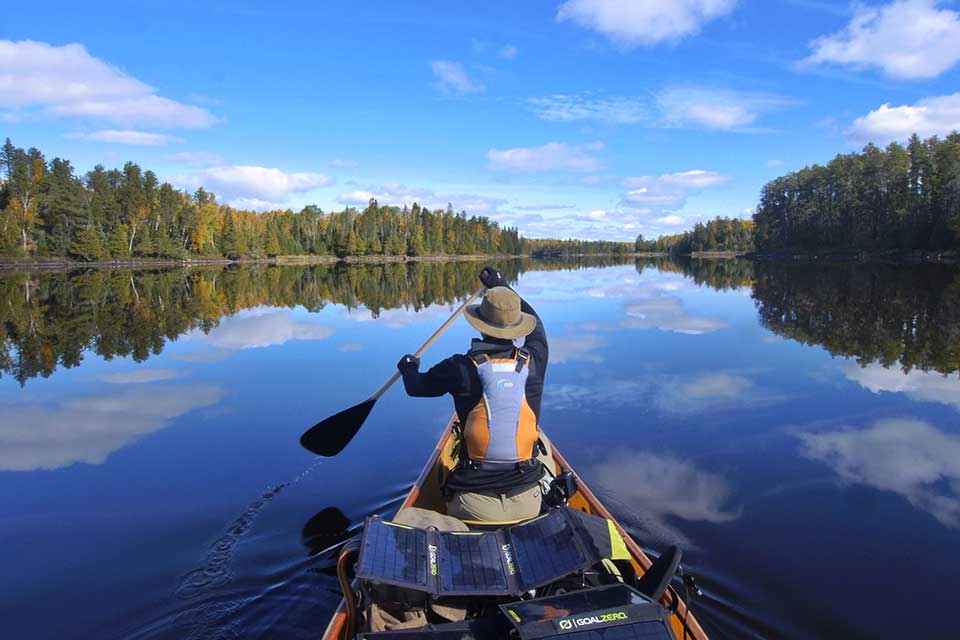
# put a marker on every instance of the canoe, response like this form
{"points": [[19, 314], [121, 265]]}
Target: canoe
{"points": [[426, 494]]}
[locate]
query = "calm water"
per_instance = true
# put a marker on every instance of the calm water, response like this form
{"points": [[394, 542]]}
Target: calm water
{"points": [[795, 429]]}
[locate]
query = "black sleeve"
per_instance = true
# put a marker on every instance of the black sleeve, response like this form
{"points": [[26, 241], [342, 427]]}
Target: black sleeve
{"points": [[536, 344], [443, 377]]}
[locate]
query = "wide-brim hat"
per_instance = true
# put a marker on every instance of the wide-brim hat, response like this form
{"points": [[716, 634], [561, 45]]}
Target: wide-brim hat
{"points": [[498, 315]]}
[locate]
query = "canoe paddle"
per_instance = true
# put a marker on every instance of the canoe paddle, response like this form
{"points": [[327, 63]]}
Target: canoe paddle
{"points": [[329, 437]]}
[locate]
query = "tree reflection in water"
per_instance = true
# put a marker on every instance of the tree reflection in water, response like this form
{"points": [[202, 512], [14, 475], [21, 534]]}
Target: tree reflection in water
{"points": [[906, 316]]}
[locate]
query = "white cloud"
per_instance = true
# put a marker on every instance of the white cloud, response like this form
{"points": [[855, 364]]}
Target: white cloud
{"points": [[924, 386], [197, 158], [261, 328], [907, 39], [127, 136], [573, 107], [264, 184], [66, 81], [342, 163], [256, 204], [931, 116], [669, 190], [710, 108], [672, 221], [689, 106], [507, 52], [89, 428], [453, 78], [774, 163], [576, 348], [631, 23], [909, 457], [553, 156], [644, 197], [347, 347], [140, 376]]}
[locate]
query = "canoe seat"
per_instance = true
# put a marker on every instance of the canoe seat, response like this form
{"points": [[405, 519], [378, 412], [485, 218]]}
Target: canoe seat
{"points": [[655, 580]]}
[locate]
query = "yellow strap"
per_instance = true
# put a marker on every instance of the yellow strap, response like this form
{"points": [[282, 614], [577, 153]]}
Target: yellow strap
{"points": [[618, 548]]}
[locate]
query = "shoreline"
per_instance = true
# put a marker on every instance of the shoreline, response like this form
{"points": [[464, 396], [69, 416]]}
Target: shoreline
{"points": [[891, 257], [62, 264]]}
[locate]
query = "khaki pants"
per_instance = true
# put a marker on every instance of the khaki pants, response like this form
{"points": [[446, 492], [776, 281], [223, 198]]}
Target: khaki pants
{"points": [[487, 506], [513, 506]]}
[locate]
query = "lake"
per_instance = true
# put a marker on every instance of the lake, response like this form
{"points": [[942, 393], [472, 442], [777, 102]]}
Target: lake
{"points": [[793, 427]]}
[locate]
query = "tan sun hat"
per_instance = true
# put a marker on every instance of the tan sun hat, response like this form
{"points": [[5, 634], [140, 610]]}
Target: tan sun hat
{"points": [[499, 315]]}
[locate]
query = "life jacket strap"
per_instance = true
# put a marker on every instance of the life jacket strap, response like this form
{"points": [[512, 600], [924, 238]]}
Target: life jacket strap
{"points": [[522, 359], [485, 465]]}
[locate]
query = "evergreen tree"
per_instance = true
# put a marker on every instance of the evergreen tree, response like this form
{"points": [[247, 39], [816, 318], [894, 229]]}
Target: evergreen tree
{"points": [[87, 246], [117, 242]]}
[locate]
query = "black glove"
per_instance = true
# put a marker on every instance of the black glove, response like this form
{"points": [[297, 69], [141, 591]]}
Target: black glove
{"points": [[491, 278], [408, 363]]}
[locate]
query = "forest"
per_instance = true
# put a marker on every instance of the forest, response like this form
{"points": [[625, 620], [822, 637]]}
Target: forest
{"points": [[719, 234], [49, 211], [902, 198]]}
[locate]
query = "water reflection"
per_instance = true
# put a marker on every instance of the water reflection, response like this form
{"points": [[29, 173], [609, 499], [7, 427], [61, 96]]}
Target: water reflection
{"points": [[925, 386], [906, 316], [668, 314], [261, 328], [50, 319], [669, 394], [655, 487], [909, 457], [88, 428]]}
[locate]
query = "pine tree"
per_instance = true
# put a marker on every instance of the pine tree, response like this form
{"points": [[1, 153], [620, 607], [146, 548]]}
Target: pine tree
{"points": [[273, 244], [117, 242], [87, 245]]}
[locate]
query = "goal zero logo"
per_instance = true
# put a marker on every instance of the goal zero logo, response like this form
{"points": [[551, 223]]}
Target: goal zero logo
{"points": [[569, 624], [509, 557], [432, 549]]}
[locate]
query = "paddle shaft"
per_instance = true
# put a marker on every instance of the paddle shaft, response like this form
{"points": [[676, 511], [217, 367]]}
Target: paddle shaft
{"points": [[426, 345]]}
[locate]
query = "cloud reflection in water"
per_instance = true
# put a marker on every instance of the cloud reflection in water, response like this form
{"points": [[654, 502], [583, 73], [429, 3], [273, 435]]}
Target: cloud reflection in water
{"points": [[673, 394], [924, 386], [909, 457], [89, 428], [261, 328], [654, 487]]}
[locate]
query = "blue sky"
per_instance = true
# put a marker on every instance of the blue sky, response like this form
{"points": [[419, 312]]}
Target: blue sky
{"points": [[584, 118]]}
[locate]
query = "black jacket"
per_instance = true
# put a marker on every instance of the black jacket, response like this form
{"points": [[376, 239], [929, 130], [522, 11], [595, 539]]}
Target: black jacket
{"points": [[457, 375]]}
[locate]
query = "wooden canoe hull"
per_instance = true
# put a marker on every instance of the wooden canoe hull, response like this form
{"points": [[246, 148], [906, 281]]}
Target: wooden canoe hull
{"points": [[426, 494]]}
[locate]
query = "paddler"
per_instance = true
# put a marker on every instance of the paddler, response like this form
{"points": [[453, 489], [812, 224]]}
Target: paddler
{"points": [[496, 387]]}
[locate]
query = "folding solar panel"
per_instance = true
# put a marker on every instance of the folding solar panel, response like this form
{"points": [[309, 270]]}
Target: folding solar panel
{"points": [[471, 563], [546, 549], [503, 562], [393, 554]]}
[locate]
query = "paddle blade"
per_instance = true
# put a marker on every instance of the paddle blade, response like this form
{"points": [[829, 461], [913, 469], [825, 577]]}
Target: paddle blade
{"points": [[329, 437]]}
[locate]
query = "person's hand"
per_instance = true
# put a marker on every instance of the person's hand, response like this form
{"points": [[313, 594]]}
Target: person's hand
{"points": [[491, 278], [408, 363]]}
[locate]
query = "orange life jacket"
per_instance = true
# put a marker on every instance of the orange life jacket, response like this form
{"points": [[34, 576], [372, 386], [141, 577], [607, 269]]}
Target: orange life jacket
{"points": [[502, 427]]}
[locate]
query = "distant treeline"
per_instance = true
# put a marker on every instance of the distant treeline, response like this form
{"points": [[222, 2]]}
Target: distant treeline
{"points": [[549, 248], [48, 210], [898, 198], [719, 234]]}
